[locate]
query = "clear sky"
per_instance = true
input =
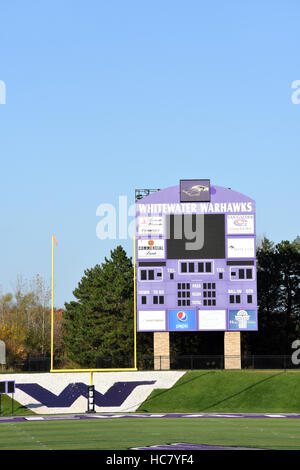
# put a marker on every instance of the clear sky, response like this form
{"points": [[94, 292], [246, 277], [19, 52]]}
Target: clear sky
{"points": [[103, 97]]}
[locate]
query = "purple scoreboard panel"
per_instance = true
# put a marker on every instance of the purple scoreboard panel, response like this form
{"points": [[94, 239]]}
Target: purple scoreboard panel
{"points": [[196, 259]]}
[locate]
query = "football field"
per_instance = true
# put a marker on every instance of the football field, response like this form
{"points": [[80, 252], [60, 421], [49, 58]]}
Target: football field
{"points": [[124, 434]]}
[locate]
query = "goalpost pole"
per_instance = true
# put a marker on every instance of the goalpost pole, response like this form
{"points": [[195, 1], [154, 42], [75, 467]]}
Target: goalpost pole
{"points": [[134, 294], [52, 304], [135, 325]]}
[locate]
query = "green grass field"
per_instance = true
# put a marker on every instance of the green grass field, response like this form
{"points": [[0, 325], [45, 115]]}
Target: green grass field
{"points": [[197, 391], [228, 391], [118, 434], [9, 407]]}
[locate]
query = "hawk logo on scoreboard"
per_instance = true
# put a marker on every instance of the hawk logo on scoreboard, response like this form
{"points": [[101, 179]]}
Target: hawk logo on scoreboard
{"points": [[195, 190]]}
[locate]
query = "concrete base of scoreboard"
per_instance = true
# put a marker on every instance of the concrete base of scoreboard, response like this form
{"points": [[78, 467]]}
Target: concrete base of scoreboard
{"points": [[161, 346], [232, 350]]}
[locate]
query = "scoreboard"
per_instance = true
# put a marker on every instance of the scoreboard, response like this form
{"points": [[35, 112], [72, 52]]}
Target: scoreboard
{"points": [[196, 259]]}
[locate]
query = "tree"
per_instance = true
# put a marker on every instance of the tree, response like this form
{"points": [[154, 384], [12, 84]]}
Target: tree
{"points": [[296, 243], [32, 312], [14, 338], [289, 298], [25, 321], [5, 306], [278, 289], [268, 276], [100, 322]]}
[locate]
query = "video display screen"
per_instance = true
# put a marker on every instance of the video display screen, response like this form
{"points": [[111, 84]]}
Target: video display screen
{"points": [[207, 230]]}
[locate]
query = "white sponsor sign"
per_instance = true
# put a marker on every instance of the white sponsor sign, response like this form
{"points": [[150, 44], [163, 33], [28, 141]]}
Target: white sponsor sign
{"points": [[151, 225], [151, 249], [240, 248], [212, 319], [152, 320], [240, 224]]}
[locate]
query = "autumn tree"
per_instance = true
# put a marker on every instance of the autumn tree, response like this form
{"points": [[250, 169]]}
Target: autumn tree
{"points": [[25, 318]]}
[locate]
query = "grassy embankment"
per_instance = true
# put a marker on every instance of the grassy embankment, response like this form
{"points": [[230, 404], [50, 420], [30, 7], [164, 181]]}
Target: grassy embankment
{"points": [[229, 391]]}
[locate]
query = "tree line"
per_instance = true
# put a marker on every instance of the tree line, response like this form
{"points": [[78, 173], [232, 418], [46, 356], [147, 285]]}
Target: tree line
{"points": [[278, 291], [25, 322], [99, 323]]}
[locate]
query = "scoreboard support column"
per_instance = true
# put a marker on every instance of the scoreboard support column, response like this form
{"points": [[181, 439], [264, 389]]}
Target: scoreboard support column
{"points": [[161, 346], [232, 350]]}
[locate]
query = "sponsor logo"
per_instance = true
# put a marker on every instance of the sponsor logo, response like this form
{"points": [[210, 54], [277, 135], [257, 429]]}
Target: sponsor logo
{"points": [[151, 225], [152, 320], [241, 222], [182, 316], [242, 319], [241, 247], [151, 249], [182, 320]]}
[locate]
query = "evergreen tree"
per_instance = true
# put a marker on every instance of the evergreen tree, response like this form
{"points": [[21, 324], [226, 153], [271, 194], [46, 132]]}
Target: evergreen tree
{"points": [[100, 322]]}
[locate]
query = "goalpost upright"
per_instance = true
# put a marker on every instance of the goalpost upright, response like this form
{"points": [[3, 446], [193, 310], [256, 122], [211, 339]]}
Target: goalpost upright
{"points": [[91, 370]]}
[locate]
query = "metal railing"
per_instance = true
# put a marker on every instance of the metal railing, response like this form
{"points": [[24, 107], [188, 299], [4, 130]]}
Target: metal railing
{"points": [[172, 362]]}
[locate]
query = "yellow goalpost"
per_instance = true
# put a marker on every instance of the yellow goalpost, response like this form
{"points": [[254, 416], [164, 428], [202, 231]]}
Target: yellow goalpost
{"points": [[91, 370]]}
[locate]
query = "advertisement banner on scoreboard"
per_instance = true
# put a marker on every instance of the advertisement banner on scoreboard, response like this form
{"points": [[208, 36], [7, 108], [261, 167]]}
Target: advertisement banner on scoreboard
{"points": [[182, 320], [152, 320], [242, 320], [240, 224], [151, 225], [240, 248], [212, 320], [151, 249]]}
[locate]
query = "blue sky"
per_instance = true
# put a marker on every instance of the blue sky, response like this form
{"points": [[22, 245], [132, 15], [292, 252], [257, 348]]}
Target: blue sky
{"points": [[103, 97]]}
